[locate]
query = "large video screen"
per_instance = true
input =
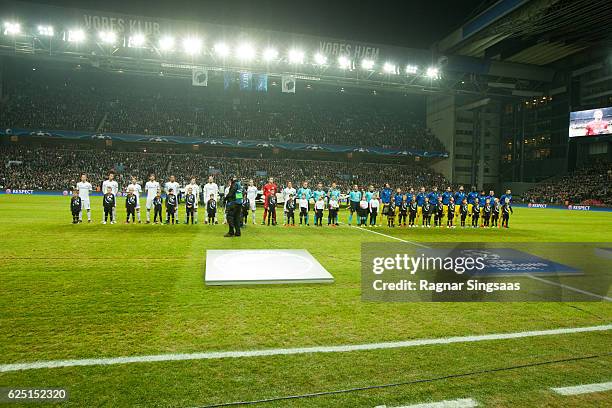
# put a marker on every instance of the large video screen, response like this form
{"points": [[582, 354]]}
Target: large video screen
{"points": [[591, 122]]}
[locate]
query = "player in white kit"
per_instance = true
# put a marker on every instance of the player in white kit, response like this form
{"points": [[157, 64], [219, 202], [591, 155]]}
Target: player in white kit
{"points": [[151, 189], [114, 189], [252, 196], [84, 188], [172, 184], [211, 188], [287, 191], [137, 190], [195, 190]]}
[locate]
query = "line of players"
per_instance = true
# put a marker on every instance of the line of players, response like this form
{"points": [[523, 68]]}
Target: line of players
{"points": [[80, 200], [482, 210], [364, 205]]}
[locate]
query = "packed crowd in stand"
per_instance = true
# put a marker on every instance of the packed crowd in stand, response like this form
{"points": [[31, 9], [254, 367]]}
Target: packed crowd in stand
{"points": [[59, 169], [589, 185], [102, 102]]}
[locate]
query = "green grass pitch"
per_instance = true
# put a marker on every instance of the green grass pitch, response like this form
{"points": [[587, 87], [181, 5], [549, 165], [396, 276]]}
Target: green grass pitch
{"points": [[87, 291]]}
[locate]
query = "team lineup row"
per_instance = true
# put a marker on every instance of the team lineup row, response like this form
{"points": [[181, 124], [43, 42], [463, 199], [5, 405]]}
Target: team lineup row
{"points": [[365, 205]]}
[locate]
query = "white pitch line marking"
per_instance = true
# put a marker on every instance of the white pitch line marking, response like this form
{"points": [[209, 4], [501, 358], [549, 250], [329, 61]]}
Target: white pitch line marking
{"points": [[392, 237], [583, 389], [4, 368], [561, 285], [456, 403]]}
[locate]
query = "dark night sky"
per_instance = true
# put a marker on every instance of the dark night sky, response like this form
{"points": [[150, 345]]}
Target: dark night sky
{"points": [[408, 23]]}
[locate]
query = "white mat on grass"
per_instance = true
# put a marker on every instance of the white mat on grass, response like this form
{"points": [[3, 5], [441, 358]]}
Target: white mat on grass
{"points": [[263, 266]]}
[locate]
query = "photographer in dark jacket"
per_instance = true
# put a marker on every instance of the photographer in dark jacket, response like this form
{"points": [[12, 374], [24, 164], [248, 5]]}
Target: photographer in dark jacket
{"points": [[233, 207]]}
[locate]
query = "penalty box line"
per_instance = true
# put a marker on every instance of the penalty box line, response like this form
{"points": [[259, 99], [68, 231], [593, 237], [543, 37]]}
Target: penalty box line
{"points": [[4, 368], [537, 278]]}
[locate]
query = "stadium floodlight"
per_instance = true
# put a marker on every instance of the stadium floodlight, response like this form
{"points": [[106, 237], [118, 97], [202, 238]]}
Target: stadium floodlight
{"points": [[192, 45], [389, 68], [367, 64], [107, 37], [432, 73], [45, 30], [344, 62], [270, 54], [12, 28], [411, 69], [166, 43], [136, 40], [76, 36], [245, 52], [221, 49], [296, 56], [320, 59]]}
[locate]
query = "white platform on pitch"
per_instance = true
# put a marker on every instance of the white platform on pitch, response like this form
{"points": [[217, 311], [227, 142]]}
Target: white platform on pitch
{"points": [[263, 266]]}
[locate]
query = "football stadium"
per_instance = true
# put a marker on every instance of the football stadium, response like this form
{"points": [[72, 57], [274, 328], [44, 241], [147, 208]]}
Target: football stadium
{"points": [[197, 211]]}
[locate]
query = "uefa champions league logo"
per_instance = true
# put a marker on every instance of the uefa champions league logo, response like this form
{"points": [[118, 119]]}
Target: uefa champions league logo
{"points": [[8, 191]]}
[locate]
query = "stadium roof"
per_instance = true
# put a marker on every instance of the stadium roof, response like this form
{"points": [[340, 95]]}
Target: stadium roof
{"points": [[121, 42], [537, 32]]}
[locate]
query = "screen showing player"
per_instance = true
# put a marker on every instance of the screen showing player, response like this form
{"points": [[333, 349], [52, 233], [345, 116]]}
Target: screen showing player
{"points": [[592, 122]]}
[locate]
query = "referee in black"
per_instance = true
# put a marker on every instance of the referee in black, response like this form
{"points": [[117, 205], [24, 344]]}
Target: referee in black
{"points": [[233, 207]]}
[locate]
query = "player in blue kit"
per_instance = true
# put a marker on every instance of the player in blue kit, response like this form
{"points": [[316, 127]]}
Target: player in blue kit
{"points": [[482, 198], [446, 196], [398, 198], [433, 195], [508, 195], [420, 199], [385, 198], [459, 197], [411, 195]]}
